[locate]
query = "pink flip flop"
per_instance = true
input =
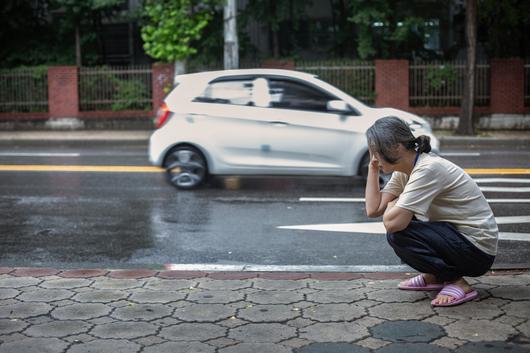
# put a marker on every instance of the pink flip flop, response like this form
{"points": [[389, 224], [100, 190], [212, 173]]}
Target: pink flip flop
{"points": [[418, 283], [457, 293]]}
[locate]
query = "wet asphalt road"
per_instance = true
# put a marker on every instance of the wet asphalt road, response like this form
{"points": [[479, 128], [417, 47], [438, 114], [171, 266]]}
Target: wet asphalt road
{"points": [[73, 219]]}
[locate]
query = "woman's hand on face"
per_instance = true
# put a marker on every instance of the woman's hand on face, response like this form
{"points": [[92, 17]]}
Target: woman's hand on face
{"points": [[374, 162]]}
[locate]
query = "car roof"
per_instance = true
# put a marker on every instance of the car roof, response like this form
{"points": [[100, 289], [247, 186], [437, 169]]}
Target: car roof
{"points": [[211, 75]]}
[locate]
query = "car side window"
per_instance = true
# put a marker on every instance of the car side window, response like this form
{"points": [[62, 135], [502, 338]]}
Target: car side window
{"points": [[237, 92], [287, 94]]}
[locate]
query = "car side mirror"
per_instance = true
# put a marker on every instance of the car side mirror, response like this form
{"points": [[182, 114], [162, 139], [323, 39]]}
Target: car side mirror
{"points": [[338, 106]]}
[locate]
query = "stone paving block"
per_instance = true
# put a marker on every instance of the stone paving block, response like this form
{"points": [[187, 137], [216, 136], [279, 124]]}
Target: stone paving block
{"points": [[524, 328], [492, 347], [14, 337], [300, 322], [100, 296], [166, 321], [34, 345], [518, 309], [484, 309], [119, 284], [224, 285], [440, 320], [155, 296], [101, 320], [287, 276], [333, 312], [510, 320], [66, 283], [368, 321], [275, 297], [18, 282], [124, 330], [268, 313], [83, 273], [180, 347], [215, 296], [181, 274], [328, 285], [232, 322], [205, 312], [372, 343], [193, 332], [131, 274], [24, 310], [4, 270], [150, 340], [480, 330], [295, 342], [8, 293], [228, 276], [82, 311], [45, 295], [336, 276], [412, 348], [388, 284], [222, 342], [340, 347], [334, 332], [105, 346], [448, 342], [7, 302], [143, 312], [77, 339], [58, 329], [169, 285], [256, 347], [273, 285], [504, 280], [34, 272], [9, 326], [402, 311], [262, 333], [407, 331], [397, 296], [511, 292], [335, 296], [365, 303]]}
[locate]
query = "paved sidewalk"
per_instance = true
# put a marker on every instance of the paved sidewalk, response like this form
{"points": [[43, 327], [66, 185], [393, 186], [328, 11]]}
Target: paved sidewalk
{"points": [[147, 311]]}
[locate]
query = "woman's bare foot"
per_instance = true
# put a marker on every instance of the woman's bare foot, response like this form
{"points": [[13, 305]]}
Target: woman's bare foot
{"points": [[445, 299]]}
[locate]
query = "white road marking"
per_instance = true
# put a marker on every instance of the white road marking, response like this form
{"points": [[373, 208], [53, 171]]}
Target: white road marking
{"points": [[287, 268], [512, 219], [38, 154], [361, 199], [502, 180], [460, 154], [514, 236]]}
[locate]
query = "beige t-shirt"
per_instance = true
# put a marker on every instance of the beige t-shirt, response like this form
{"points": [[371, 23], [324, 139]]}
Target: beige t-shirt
{"points": [[438, 190]]}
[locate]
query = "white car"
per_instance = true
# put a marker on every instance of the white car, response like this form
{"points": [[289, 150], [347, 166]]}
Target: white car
{"points": [[264, 122]]}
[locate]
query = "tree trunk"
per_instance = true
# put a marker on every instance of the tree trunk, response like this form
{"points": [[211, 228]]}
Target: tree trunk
{"points": [[231, 47], [77, 46], [466, 123]]}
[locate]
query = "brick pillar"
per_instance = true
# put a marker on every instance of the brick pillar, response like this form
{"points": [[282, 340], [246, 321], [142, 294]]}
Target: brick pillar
{"points": [[278, 64], [392, 83], [507, 86], [63, 97], [162, 81]]}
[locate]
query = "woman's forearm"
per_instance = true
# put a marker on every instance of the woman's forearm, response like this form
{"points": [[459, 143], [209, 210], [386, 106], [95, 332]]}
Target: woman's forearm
{"points": [[372, 193]]}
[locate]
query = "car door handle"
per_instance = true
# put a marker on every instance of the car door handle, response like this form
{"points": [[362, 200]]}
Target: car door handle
{"points": [[278, 123]]}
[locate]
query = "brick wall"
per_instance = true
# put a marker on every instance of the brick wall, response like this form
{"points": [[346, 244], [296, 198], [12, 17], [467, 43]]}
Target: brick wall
{"points": [[507, 86], [392, 83], [63, 97]]}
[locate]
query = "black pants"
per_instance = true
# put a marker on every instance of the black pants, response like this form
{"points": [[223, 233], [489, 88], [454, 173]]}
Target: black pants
{"points": [[439, 249]]}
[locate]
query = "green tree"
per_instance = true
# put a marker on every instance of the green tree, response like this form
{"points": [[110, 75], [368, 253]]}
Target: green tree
{"points": [[171, 26]]}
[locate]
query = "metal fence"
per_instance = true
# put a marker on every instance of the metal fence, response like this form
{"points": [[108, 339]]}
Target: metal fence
{"points": [[24, 90], [441, 83], [527, 83], [115, 88], [356, 78]]}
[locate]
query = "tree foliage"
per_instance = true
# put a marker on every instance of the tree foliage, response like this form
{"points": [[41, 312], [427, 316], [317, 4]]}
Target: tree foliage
{"points": [[170, 27]]}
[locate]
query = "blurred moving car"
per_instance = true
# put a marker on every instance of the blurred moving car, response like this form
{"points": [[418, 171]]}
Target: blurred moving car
{"points": [[264, 122]]}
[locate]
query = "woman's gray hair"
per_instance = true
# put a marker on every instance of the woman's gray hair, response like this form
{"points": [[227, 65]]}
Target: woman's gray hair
{"points": [[387, 133]]}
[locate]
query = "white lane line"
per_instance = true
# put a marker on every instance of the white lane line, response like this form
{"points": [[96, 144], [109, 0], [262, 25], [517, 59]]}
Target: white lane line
{"points": [[460, 154], [361, 199], [287, 268], [512, 219], [38, 154], [502, 180], [504, 189], [514, 236]]}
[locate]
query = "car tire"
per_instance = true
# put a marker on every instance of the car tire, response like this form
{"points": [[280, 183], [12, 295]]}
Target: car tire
{"points": [[186, 167], [363, 171]]}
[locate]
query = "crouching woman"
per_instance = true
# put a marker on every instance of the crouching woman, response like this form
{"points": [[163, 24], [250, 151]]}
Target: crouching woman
{"points": [[437, 219]]}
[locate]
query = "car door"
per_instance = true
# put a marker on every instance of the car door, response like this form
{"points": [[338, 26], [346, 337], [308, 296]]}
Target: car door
{"points": [[305, 137], [232, 131]]}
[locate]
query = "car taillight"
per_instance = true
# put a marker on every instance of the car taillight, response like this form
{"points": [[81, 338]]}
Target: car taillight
{"points": [[162, 116]]}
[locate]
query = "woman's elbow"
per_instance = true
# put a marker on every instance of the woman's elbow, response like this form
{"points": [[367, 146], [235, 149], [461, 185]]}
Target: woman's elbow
{"points": [[373, 213], [393, 227]]}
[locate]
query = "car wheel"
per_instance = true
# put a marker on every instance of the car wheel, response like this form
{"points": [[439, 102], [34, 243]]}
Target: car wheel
{"points": [[185, 167], [363, 171]]}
